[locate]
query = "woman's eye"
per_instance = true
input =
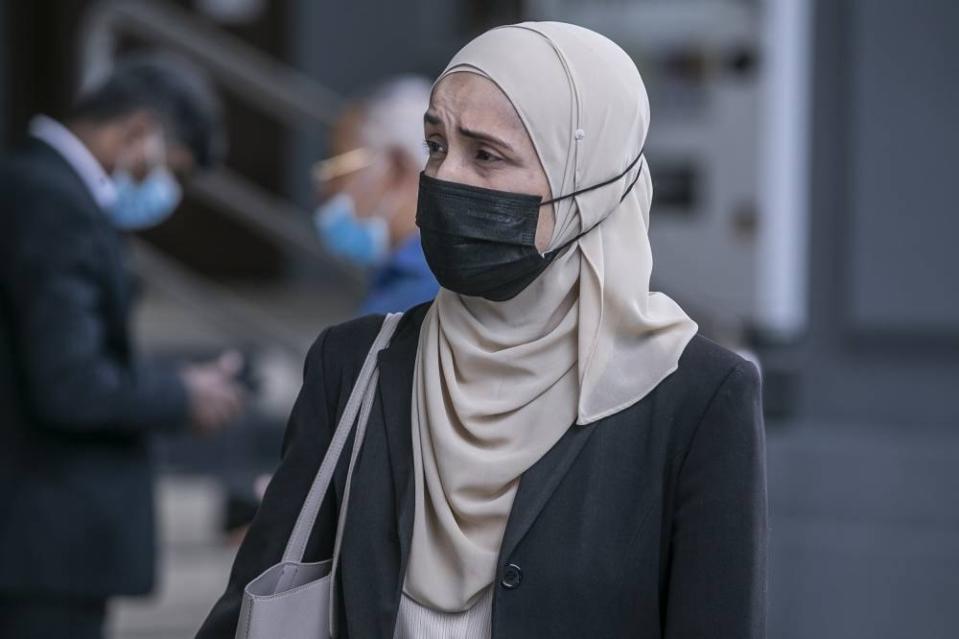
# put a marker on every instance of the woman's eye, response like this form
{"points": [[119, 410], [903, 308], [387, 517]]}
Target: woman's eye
{"points": [[432, 146], [485, 156]]}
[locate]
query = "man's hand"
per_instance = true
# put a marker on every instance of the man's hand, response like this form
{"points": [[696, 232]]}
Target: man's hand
{"points": [[216, 398]]}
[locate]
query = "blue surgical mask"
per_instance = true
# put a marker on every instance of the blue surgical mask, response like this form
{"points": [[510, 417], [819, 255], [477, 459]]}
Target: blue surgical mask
{"points": [[363, 241], [141, 205]]}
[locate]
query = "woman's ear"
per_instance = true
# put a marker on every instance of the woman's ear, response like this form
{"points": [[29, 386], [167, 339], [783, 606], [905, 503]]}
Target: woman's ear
{"points": [[546, 223], [544, 227]]}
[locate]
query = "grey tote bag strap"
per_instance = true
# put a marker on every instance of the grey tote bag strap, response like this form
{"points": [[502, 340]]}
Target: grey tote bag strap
{"points": [[296, 546]]}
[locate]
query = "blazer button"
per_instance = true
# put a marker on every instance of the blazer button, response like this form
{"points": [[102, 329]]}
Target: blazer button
{"points": [[512, 576]]}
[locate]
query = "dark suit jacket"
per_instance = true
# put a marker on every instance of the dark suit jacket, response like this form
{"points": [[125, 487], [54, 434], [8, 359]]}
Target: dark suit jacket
{"points": [[76, 502], [649, 523]]}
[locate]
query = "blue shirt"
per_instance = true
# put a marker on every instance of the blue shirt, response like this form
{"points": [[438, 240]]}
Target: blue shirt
{"points": [[403, 281]]}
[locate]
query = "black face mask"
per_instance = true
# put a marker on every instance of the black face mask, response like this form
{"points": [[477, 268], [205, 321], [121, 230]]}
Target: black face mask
{"points": [[481, 242]]}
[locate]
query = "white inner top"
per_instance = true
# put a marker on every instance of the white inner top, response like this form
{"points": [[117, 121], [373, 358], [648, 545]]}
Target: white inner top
{"points": [[415, 621]]}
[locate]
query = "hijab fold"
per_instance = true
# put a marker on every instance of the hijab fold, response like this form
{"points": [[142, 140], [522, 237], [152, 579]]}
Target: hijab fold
{"points": [[497, 384]]}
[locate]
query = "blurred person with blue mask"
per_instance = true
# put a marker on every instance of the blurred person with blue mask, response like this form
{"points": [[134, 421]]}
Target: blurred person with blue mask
{"points": [[369, 187], [77, 404], [142, 204]]}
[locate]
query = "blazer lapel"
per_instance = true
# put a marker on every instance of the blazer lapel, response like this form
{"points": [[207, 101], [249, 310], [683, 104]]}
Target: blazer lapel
{"points": [[539, 483], [112, 241], [396, 390]]}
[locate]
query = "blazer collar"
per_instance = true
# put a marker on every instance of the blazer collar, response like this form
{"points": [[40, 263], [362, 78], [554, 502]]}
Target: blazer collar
{"points": [[396, 390]]}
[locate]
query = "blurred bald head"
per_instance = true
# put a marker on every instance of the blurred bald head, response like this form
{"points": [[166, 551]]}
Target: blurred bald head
{"points": [[393, 117], [378, 152]]}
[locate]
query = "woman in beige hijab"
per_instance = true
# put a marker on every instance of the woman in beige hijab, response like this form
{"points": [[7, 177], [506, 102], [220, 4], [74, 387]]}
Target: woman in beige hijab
{"points": [[555, 451]]}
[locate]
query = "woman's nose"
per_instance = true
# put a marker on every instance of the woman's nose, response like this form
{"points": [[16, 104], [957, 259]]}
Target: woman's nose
{"points": [[452, 169]]}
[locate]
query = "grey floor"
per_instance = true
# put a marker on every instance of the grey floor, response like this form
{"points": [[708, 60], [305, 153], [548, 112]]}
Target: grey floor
{"points": [[194, 564]]}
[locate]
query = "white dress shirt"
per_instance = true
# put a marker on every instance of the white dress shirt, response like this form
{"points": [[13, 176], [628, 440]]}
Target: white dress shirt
{"points": [[79, 158]]}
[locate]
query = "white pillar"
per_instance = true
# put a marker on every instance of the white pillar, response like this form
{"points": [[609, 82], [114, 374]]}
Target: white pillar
{"points": [[785, 140]]}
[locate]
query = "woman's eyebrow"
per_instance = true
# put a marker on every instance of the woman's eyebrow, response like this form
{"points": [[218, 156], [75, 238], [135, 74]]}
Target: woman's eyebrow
{"points": [[434, 120], [486, 137]]}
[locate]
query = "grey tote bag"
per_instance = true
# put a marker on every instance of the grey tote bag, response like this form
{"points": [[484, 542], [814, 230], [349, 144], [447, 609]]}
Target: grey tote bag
{"points": [[293, 599]]}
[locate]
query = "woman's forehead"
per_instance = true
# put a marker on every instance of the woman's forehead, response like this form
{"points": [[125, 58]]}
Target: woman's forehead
{"points": [[473, 101]]}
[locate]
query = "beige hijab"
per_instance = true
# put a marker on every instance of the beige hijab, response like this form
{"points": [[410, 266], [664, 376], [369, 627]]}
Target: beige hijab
{"points": [[497, 384]]}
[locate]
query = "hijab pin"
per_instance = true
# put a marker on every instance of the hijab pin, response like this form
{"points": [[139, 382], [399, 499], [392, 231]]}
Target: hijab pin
{"points": [[579, 134]]}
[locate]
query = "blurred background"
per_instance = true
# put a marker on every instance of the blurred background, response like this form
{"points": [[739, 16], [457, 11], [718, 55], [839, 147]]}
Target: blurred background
{"points": [[803, 156]]}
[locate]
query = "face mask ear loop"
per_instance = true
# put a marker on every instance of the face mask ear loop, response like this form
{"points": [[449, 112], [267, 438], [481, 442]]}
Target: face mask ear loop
{"points": [[632, 184], [552, 254], [600, 185]]}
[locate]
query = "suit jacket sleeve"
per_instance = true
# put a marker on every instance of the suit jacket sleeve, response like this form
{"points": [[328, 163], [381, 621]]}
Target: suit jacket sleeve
{"points": [[307, 437], [73, 379], [717, 576]]}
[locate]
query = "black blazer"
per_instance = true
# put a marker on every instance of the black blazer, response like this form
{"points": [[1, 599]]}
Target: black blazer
{"points": [[76, 506], [649, 523]]}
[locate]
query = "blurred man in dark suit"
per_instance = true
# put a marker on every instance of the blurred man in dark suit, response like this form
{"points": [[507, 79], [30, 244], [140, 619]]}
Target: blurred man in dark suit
{"points": [[76, 404]]}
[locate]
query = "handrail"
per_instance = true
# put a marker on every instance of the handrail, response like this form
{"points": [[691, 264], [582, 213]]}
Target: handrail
{"points": [[286, 224], [275, 88], [215, 303]]}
